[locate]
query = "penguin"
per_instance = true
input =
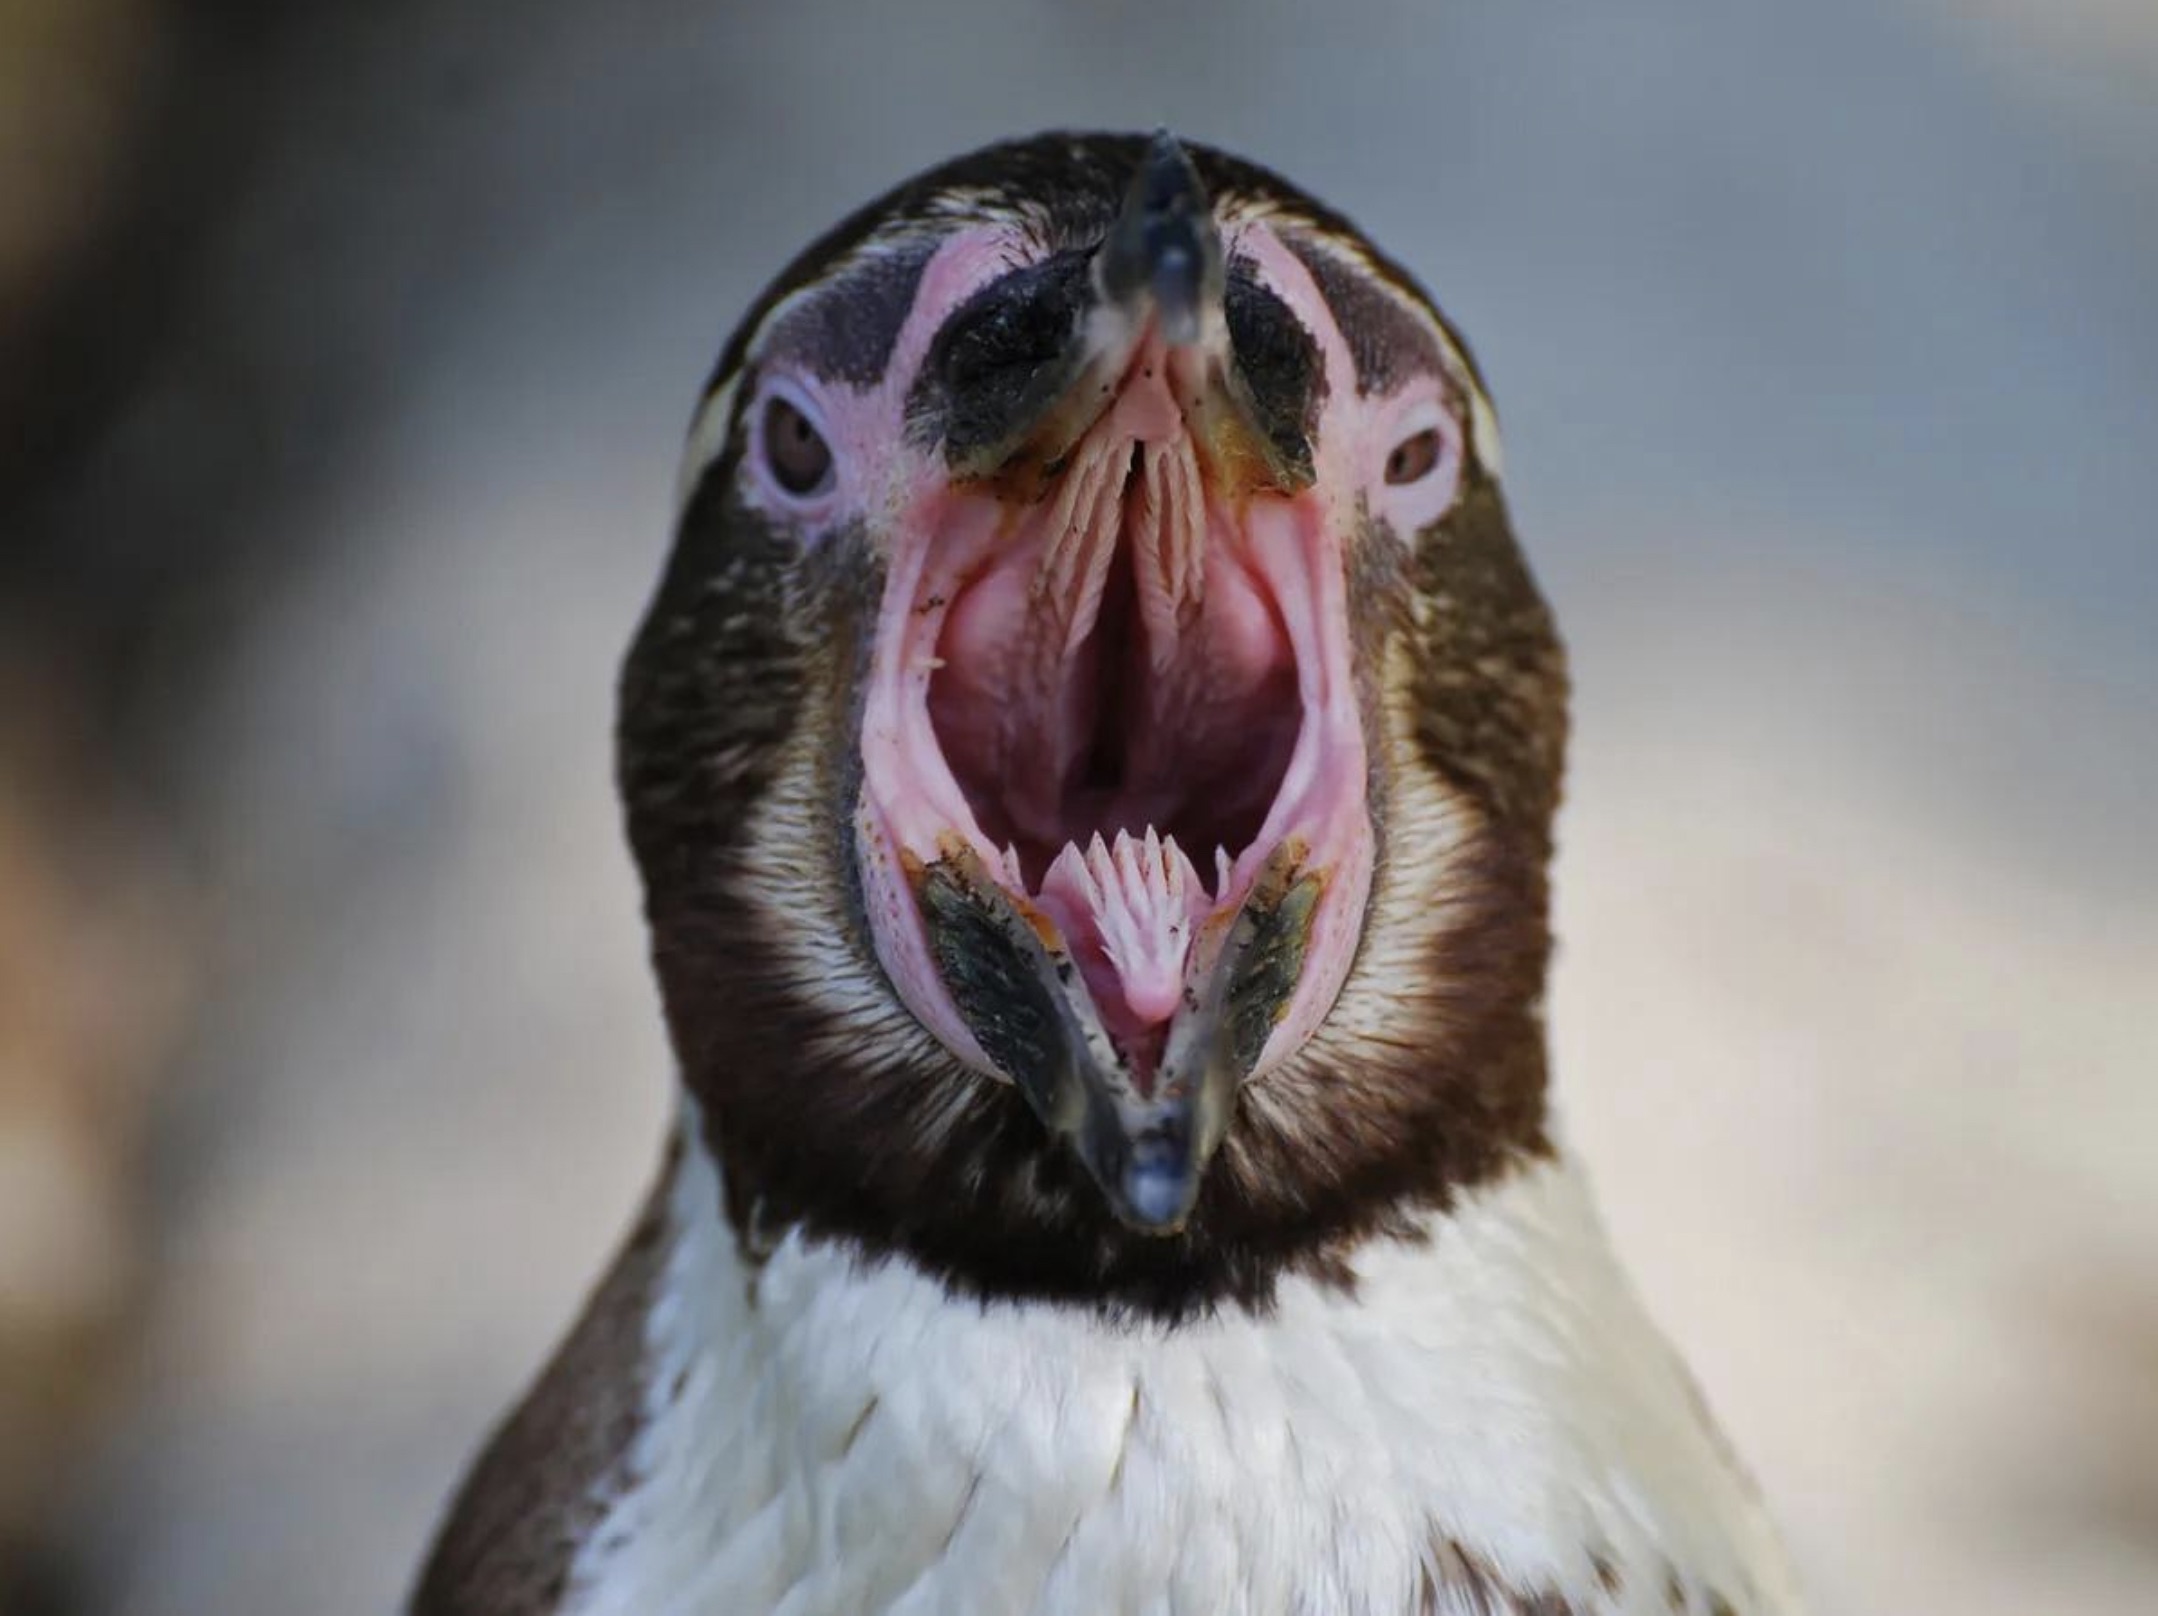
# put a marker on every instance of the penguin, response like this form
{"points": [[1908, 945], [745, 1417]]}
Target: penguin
{"points": [[1091, 761]]}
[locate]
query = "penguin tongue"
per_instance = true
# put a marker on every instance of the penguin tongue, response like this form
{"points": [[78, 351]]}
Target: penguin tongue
{"points": [[1128, 912]]}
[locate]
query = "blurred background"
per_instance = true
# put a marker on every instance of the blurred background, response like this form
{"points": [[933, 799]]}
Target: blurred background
{"points": [[345, 351]]}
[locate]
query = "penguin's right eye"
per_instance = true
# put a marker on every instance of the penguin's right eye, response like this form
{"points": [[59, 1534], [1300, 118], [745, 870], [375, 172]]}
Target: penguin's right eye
{"points": [[795, 453]]}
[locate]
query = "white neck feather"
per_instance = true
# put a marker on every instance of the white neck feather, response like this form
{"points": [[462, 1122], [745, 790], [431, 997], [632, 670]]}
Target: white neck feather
{"points": [[1489, 1419]]}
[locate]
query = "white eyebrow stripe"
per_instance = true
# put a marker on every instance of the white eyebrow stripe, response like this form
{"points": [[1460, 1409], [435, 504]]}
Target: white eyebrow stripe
{"points": [[1484, 434], [707, 437], [1483, 419]]}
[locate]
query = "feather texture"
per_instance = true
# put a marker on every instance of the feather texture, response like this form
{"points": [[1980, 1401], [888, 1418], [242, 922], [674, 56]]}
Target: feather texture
{"points": [[1486, 1422]]}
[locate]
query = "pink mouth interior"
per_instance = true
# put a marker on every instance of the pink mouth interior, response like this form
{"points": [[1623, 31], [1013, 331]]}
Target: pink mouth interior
{"points": [[1124, 698], [1115, 699]]}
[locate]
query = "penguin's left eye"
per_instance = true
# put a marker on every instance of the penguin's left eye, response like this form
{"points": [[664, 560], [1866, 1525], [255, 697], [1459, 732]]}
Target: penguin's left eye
{"points": [[1416, 457], [795, 453], [1422, 471]]}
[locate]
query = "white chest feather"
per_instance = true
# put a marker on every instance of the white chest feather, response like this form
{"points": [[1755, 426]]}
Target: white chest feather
{"points": [[1489, 1420]]}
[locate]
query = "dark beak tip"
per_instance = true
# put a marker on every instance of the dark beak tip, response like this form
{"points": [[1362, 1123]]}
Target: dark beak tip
{"points": [[1167, 181], [1164, 245], [1156, 1199], [1153, 1174]]}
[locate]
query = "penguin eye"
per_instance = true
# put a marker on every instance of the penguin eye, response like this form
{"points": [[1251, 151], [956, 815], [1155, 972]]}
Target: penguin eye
{"points": [[795, 452], [1421, 475], [1415, 457]]}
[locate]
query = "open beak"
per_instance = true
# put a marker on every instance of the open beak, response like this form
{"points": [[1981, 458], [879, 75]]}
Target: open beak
{"points": [[1121, 634]]}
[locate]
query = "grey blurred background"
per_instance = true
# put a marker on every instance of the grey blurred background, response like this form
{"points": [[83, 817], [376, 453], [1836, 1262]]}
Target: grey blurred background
{"points": [[344, 355]]}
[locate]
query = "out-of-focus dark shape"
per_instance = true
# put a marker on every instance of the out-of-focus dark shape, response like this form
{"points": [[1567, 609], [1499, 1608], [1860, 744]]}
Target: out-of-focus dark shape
{"points": [[107, 142], [130, 126], [94, 978], [78, 79]]}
